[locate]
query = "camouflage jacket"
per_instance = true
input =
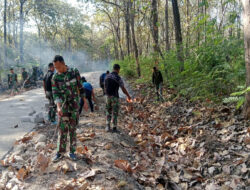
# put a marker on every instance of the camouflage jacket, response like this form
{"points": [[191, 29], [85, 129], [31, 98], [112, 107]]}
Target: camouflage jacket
{"points": [[12, 78], [67, 87], [25, 75]]}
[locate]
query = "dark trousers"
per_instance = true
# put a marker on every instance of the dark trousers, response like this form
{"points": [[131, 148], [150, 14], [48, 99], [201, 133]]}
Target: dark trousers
{"points": [[89, 98], [103, 89]]}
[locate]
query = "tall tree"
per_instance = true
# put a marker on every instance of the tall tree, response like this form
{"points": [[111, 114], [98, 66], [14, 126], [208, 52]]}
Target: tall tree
{"points": [[246, 18], [134, 41], [178, 34], [21, 45], [127, 23], [167, 26], [155, 27], [188, 27], [5, 31]]}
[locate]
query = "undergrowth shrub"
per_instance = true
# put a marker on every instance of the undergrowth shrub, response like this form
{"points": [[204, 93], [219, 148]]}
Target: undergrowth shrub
{"points": [[213, 70]]}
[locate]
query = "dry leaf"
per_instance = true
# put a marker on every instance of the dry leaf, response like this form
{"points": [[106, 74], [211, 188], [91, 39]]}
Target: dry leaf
{"points": [[22, 173], [51, 146], [83, 139], [121, 184], [88, 174], [125, 144], [247, 140], [25, 139], [42, 162], [124, 165], [108, 146]]}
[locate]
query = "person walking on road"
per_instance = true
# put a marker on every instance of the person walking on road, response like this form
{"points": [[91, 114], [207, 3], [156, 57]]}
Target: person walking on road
{"points": [[102, 79], [112, 84], [66, 88], [48, 92], [89, 92], [157, 80]]}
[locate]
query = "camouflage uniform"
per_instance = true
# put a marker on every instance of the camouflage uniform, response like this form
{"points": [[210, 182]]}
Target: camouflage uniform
{"points": [[112, 107], [12, 81], [52, 107], [25, 75], [66, 88], [112, 84]]}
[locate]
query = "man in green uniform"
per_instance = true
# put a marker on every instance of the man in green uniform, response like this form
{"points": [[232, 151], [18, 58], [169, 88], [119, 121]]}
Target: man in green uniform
{"points": [[66, 88], [24, 74], [12, 81], [157, 80]]}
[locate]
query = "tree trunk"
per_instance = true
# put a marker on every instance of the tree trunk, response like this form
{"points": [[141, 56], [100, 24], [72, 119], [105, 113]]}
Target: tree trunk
{"points": [[188, 28], [9, 27], [246, 18], [135, 43], [178, 34], [118, 33], [167, 27], [115, 45], [127, 22], [198, 27], [205, 23], [5, 31], [21, 31], [155, 28]]}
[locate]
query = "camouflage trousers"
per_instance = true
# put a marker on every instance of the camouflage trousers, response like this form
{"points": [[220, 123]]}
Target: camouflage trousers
{"points": [[112, 110], [52, 107], [158, 89], [13, 87], [67, 125]]}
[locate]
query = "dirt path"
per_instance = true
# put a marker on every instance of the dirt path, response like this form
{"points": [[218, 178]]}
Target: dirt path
{"points": [[102, 163]]}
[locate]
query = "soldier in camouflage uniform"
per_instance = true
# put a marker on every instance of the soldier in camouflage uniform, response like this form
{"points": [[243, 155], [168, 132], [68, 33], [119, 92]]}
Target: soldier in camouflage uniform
{"points": [[12, 81], [112, 84], [66, 88], [25, 74]]}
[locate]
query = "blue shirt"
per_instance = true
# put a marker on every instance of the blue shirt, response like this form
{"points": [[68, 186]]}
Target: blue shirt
{"points": [[87, 86], [103, 76]]}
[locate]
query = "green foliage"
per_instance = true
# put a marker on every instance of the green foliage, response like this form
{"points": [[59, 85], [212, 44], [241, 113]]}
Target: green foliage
{"points": [[238, 97], [212, 70], [128, 68]]}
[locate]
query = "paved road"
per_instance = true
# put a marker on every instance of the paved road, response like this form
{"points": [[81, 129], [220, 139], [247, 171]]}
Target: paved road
{"points": [[11, 110]]}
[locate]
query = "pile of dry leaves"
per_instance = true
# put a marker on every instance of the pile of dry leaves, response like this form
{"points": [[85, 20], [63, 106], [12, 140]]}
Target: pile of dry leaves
{"points": [[183, 145]]}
